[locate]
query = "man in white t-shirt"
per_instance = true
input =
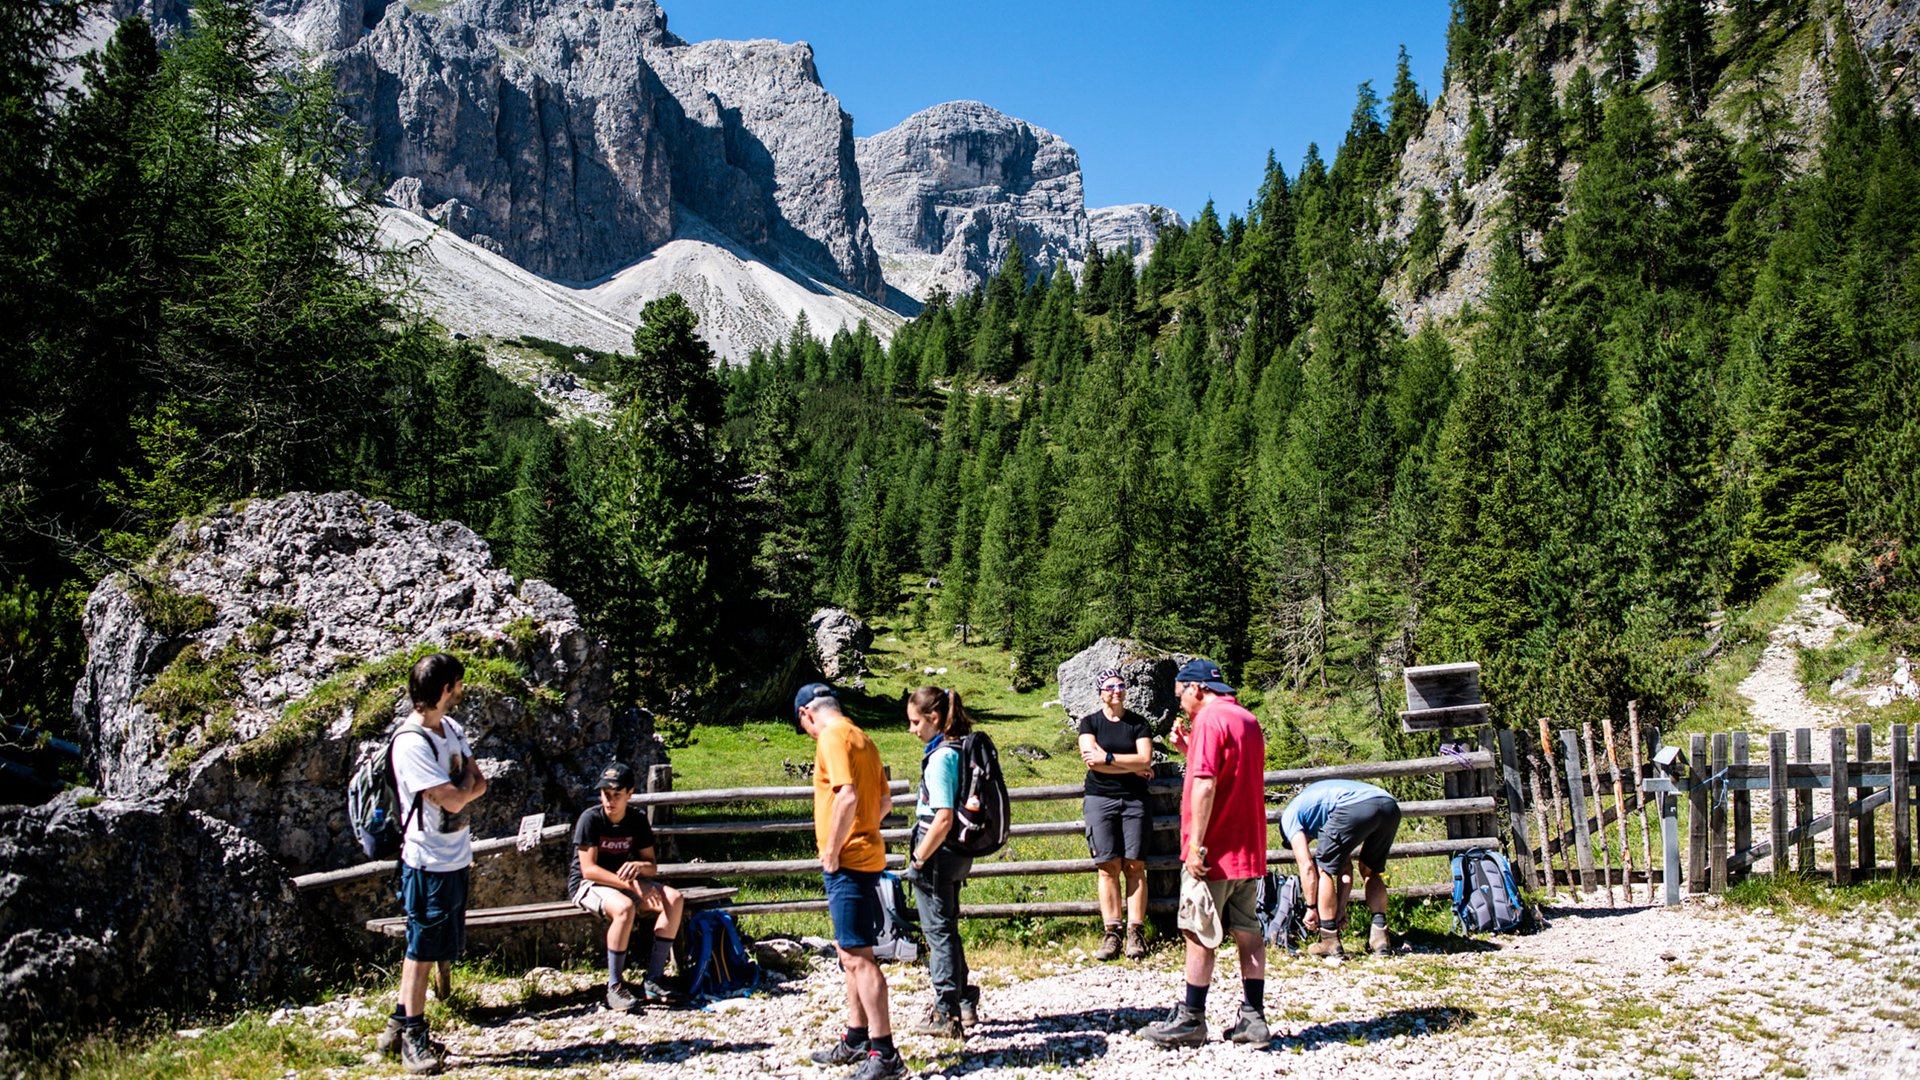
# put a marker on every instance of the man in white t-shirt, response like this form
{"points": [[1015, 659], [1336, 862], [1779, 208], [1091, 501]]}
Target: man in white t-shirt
{"points": [[436, 777]]}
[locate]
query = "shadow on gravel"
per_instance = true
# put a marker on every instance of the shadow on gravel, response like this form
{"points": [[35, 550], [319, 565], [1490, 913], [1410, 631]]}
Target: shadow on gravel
{"points": [[1079, 1024], [572, 1057], [1429, 1021], [1425, 941]]}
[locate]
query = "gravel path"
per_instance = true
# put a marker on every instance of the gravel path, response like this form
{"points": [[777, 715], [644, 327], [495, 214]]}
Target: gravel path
{"points": [[1701, 990]]}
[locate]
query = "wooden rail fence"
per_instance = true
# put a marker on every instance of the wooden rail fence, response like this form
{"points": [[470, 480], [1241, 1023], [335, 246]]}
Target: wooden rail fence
{"points": [[1471, 824]]}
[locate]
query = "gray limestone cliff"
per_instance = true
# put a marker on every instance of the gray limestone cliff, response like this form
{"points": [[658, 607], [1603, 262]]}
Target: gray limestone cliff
{"points": [[1138, 224], [952, 187]]}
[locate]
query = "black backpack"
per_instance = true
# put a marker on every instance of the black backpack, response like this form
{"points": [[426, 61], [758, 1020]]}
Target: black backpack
{"points": [[983, 813]]}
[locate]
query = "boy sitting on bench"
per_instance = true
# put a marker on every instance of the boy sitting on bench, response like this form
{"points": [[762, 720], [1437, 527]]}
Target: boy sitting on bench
{"points": [[613, 876]]}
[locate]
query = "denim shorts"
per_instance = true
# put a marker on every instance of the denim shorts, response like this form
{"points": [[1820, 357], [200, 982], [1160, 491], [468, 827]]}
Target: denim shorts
{"points": [[436, 907], [853, 903]]}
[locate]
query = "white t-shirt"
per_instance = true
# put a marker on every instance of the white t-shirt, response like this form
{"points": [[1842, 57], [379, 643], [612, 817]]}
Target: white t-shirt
{"points": [[436, 840]]}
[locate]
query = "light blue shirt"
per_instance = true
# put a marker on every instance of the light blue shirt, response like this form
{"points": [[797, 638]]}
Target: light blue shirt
{"points": [[940, 781], [1310, 808]]}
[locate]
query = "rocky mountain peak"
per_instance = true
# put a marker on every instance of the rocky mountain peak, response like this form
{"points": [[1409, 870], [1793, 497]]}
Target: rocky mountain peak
{"points": [[951, 187]]}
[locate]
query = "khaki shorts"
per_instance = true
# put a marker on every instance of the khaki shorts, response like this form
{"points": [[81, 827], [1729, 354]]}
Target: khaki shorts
{"points": [[646, 895], [1238, 901]]}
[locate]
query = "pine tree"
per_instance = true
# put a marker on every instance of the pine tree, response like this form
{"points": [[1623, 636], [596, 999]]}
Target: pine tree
{"points": [[1406, 108]]}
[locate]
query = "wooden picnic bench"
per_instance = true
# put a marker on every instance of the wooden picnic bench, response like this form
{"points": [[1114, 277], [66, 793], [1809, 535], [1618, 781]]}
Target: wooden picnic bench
{"points": [[697, 898]]}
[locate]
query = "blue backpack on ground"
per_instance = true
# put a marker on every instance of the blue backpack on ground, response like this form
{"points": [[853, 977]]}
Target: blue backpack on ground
{"points": [[1485, 898], [717, 961]]}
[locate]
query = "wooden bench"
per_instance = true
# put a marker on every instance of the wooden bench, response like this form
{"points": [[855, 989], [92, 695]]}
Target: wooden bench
{"points": [[697, 898]]}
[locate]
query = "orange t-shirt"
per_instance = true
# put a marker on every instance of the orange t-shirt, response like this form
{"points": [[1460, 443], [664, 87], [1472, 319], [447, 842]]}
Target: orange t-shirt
{"points": [[844, 755]]}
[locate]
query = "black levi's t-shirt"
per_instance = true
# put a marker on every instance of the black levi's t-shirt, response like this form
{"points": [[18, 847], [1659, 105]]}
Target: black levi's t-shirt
{"points": [[618, 844], [1121, 736]]}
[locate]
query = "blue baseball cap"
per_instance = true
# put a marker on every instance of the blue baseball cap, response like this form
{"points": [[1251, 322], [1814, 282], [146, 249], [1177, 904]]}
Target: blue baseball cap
{"points": [[807, 695], [1204, 672]]}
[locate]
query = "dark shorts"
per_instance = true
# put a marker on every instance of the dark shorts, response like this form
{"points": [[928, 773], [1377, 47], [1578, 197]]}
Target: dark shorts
{"points": [[436, 907], [1362, 830], [853, 903], [1116, 828]]}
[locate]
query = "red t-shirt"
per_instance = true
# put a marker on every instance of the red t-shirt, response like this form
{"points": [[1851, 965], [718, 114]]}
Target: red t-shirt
{"points": [[1226, 744]]}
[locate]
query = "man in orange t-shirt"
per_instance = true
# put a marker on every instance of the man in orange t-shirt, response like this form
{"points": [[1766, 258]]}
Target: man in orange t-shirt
{"points": [[850, 796]]}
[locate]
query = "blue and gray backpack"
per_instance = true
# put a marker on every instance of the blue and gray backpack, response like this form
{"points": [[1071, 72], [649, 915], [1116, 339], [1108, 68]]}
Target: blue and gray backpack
{"points": [[1485, 898]]}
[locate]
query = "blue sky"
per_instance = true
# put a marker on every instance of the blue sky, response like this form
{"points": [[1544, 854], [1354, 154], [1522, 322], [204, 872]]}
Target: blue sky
{"points": [[1166, 103]]}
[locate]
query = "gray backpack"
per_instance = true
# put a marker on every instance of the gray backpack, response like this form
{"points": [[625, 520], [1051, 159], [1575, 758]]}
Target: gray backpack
{"points": [[1485, 898], [373, 801], [1282, 911]]}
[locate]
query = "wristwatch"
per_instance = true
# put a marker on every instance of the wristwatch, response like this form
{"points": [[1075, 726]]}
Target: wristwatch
{"points": [[1109, 757]]}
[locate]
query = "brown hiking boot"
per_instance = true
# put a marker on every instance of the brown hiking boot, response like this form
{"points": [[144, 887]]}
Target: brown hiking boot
{"points": [[1136, 941], [1379, 942], [1109, 944], [1327, 945]]}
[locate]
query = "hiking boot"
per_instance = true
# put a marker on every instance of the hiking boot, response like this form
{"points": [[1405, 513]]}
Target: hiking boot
{"points": [[388, 1041], [881, 1068], [1379, 942], [1250, 1028], [841, 1052], [658, 994], [970, 1006], [941, 1023], [1109, 944], [1182, 1027], [418, 1055], [1136, 942], [1327, 945], [621, 999]]}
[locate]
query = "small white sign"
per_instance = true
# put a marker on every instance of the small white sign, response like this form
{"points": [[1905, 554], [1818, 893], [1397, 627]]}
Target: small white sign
{"points": [[530, 827]]}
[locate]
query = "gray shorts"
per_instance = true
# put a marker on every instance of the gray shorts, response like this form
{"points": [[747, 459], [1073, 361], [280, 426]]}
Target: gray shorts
{"points": [[1362, 830], [1116, 828]]}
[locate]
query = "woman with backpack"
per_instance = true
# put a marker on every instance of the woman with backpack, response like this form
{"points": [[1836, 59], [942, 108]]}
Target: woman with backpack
{"points": [[1117, 745], [938, 719]]}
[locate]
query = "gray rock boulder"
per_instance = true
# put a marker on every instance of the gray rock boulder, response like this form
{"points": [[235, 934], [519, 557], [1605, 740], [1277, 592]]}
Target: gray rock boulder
{"points": [[266, 645], [1138, 224], [113, 909], [1148, 673], [840, 642], [951, 187]]}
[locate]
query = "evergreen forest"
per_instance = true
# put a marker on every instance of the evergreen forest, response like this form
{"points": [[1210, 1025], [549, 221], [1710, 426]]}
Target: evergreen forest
{"points": [[1694, 368]]}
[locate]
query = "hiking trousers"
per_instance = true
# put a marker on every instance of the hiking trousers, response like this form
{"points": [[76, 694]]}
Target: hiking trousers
{"points": [[936, 890]]}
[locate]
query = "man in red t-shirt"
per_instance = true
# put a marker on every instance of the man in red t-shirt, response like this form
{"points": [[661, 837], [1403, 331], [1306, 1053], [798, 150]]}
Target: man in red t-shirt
{"points": [[1223, 840]]}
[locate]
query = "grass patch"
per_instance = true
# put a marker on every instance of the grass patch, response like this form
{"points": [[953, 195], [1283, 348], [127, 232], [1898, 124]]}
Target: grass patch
{"points": [[1791, 892], [166, 609], [244, 1050], [1742, 638], [370, 692]]}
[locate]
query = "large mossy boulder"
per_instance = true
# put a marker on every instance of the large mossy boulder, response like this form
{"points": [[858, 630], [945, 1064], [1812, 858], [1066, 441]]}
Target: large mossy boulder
{"points": [[245, 667]]}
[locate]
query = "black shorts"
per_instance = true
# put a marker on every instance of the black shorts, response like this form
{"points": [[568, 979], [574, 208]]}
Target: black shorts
{"points": [[1362, 830], [1116, 828]]}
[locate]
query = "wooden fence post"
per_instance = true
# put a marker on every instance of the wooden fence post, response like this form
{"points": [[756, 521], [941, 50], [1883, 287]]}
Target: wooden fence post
{"points": [[1576, 801], [1742, 805], [1164, 884], [1842, 821], [1599, 809], [1559, 816], [1718, 814], [1620, 814], [1516, 800], [1869, 860], [1777, 799], [1804, 860], [1546, 836], [1698, 800], [1902, 805], [1640, 795], [660, 780]]}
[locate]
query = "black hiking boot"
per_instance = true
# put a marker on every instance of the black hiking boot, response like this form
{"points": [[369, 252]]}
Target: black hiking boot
{"points": [[841, 1052], [1182, 1027]]}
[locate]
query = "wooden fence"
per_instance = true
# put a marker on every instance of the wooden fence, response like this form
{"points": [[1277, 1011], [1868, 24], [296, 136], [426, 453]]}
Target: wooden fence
{"points": [[1471, 819], [1602, 805]]}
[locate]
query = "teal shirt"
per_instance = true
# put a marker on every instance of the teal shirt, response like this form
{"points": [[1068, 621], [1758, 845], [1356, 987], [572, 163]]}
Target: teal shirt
{"points": [[939, 780]]}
